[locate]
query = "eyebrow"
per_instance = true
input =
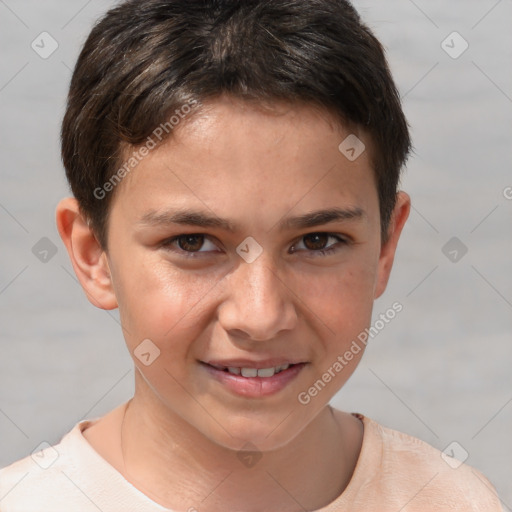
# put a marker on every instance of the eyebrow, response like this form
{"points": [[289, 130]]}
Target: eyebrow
{"points": [[204, 220]]}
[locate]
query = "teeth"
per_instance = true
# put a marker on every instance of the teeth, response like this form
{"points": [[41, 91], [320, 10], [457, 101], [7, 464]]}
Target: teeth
{"points": [[254, 372], [249, 372], [266, 372]]}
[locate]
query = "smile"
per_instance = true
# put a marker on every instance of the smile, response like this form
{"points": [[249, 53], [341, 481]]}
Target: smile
{"points": [[251, 382], [253, 372]]}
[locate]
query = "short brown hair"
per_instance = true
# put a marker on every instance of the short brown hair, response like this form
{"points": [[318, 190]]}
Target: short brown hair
{"points": [[145, 59]]}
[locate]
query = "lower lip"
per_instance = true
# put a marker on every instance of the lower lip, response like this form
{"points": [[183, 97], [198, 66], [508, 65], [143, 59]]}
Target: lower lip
{"points": [[255, 387]]}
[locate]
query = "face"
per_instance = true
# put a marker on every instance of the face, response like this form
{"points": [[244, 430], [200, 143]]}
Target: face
{"points": [[247, 242]]}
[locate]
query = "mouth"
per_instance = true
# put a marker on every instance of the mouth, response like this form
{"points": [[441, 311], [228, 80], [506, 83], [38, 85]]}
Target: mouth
{"points": [[254, 379], [250, 371]]}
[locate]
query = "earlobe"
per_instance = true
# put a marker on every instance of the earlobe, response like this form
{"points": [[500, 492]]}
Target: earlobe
{"points": [[388, 249], [89, 260]]}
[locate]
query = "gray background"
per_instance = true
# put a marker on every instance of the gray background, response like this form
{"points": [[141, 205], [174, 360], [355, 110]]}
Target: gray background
{"points": [[440, 370]]}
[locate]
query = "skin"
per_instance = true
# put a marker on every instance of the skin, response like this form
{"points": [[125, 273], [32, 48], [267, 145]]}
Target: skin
{"points": [[183, 430]]}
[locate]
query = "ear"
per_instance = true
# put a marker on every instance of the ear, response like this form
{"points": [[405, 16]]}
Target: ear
{"points": [[89, 260], [388, 249]]}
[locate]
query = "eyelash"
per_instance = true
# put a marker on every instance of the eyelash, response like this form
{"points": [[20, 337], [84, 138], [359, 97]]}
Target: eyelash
{"points": [[167, 244]]}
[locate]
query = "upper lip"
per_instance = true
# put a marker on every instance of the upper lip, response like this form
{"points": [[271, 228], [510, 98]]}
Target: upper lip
{"points": [[246, 363]]}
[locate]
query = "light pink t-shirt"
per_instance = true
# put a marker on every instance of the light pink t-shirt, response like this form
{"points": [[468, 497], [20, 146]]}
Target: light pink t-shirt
{"points": [[394, 473]]}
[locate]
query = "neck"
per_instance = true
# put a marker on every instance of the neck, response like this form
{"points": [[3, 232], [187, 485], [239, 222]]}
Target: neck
{"points": [[178, 467]]}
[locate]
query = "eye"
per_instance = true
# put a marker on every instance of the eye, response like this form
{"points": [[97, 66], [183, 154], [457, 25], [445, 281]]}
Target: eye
{"points": [[188, 244], [316, 243]]}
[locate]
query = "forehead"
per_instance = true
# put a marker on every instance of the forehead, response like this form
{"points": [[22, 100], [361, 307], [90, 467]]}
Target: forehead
{"points": [[278, 124], [232, 152]]}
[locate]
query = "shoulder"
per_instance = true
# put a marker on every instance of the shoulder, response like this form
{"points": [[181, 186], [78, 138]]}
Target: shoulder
{"points": [[408, 473], [440, 481], [71, 475], [43, 478]]}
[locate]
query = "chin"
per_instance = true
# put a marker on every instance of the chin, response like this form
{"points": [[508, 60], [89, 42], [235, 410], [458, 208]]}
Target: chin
{"points": [[264, 433]]}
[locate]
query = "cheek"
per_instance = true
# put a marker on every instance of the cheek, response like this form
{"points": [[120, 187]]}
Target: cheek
{"points": [[341, 298], [167, 308], [161, 303]]}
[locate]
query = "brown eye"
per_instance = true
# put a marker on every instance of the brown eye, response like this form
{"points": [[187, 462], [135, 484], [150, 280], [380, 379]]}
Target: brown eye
{"points": [[316, 241], [316, 244], [190, 243]]}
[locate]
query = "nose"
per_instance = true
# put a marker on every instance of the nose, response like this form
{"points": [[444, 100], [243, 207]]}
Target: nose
{"points": [[259, 303]]}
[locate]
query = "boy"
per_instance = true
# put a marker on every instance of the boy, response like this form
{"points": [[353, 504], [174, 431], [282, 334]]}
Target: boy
{"points": [[210, 147]]}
